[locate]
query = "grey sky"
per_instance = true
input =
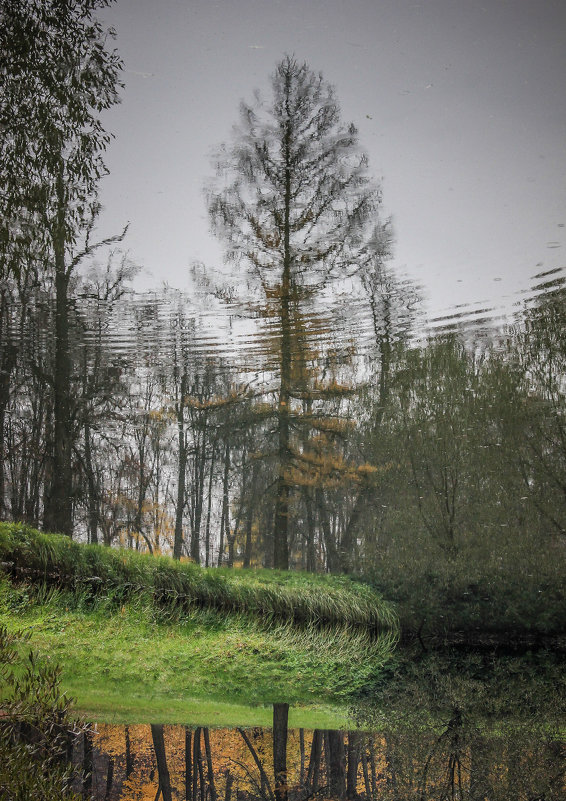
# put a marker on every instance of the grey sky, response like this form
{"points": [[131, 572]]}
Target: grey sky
{"points": [[460, 104]]}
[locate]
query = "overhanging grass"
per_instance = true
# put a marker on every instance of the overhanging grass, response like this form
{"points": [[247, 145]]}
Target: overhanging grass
{"points": [[270, 597], [130, 666]]}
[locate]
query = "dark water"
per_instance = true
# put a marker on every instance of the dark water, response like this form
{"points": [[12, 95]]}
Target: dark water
{"points": [[450, 724]]}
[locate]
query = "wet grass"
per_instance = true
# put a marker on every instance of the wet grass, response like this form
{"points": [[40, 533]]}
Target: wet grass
{"points": [[129, 666]]}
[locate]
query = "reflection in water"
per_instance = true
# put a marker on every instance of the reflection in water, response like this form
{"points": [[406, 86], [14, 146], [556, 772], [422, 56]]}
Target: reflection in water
{"points": [[174, 408], [456, 761], [147, 326]]}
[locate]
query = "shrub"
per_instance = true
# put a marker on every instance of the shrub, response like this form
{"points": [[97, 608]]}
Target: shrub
{"points": [[506, 590], [36, 728]]}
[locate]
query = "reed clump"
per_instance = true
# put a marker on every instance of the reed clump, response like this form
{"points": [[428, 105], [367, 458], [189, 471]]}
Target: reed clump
{"points": [[269, 597]]}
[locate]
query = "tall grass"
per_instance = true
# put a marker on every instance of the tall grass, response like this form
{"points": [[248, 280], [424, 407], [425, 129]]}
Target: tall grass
{"points": [[269, 597]]}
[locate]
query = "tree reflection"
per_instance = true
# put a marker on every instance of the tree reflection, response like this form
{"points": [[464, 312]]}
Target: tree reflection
{"points": [[457, 760]]}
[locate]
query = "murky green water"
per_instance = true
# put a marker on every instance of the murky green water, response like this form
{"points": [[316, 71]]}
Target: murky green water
{"points": [[448, 724]]}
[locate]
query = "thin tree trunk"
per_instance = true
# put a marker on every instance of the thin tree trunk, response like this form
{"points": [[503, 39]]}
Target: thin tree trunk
{"points": [[263, 775], [332, 562], [198, 770], [212, 788], [109, 778], [209, 507], [313, 773], [230, 538], [181, 471], [248, 545], [225, 518], [310, 531], [58, 513], [9, 352], [302, 754], [93, 499], [201, 774], [188, 764], [129, 755], [229, 783], [196, 759], [369, 794], [281, 515], [38, 435], [198, 490], [353, 760], [87, 763], [250, 516], [373, 768], [3, 505]]}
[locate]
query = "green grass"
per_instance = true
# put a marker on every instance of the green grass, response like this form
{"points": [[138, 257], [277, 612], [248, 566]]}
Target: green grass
{"points": [[142, 638], [132, 664], [268, 597]]}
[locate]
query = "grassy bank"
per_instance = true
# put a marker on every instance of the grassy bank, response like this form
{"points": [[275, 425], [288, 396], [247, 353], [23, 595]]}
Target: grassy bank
{"points": [[127, 665], [269, 596], [142, 644]]}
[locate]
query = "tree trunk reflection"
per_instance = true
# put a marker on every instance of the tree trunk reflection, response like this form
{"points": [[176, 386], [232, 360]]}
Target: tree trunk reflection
{"points": [[281, 764]]}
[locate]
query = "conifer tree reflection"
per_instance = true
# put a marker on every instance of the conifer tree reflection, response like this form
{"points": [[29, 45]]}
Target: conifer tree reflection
{"points": [[292, 202]]}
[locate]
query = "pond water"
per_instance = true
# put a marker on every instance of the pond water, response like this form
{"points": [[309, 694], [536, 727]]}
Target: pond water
{"points": [[453, 760], [299, 405], [446, 724]]}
